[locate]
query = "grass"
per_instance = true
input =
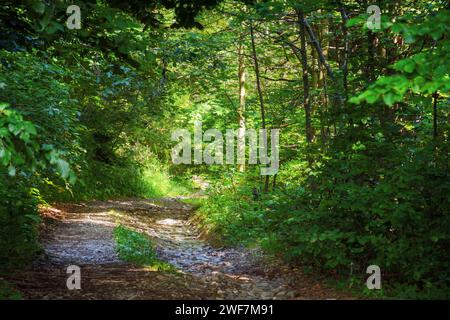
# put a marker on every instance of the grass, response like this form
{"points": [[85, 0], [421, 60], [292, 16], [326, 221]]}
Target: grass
{"points": [[158, 183], [137, 248]]}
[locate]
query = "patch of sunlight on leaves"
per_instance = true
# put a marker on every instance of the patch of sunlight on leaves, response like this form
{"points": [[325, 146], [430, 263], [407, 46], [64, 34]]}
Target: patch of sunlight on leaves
{"points": [[158, 183]]}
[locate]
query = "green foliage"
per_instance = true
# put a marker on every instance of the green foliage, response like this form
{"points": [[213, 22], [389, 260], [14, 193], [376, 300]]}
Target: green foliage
{"points": [[372, 187], [349, 221], [19, 221], [100, 103], [424, 72], [70, 108], [159, 182], [36, 120], [131, 179], [14, 153], [137, 248], [19, 149], [392, 218]]}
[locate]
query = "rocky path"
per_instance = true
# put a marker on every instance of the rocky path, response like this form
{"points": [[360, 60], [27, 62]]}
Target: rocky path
{"points": [[82, 235]]}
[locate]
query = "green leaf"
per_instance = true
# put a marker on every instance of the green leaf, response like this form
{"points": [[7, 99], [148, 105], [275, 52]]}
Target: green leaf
{"points": [[63, 168], [38, 7], [29, 127], [11, 171], [3, 132], [389, 98], [14, 129]]}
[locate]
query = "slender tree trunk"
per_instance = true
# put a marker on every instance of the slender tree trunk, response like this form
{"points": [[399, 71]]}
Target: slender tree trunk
{"points": [[306, 101], [323, 98], [314, 72], [435, 122], [371, 57], [258, 87], [316, 45], [241, 110], [345, 62], [346, 52]]}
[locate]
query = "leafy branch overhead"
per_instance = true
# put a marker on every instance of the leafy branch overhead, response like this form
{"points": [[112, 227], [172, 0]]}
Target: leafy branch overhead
{"points": [[424, 72]]}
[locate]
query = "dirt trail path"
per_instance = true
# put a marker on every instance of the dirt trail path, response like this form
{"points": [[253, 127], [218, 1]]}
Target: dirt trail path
{"points": [[83, 235]]}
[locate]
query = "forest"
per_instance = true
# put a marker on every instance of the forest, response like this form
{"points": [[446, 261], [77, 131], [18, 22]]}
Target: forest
{"points": [[94, 92]]}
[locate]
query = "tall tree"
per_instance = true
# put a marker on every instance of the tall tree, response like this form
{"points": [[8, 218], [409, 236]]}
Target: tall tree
{"points": [[304, 59], [260, 93], [241, 109]]}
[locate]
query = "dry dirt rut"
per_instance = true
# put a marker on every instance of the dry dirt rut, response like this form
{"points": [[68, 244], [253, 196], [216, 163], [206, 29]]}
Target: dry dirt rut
{"points": [[82, 234]]}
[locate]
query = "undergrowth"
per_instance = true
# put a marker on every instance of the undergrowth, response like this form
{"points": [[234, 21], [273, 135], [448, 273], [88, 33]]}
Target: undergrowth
{"points": [[341, 230], [103, 181]]}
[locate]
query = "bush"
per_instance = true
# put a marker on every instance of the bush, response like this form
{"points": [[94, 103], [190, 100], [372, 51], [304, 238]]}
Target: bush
{"points": [[99, 180], [394, 214], [19, 220]]}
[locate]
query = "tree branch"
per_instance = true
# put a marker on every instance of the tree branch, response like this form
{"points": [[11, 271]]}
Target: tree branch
{"points": [[316, 45]]}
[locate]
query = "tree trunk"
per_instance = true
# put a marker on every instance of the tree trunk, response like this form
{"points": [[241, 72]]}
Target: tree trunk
{"points": [[371, 57], [306, 101], [241, 110], [258, 87], [346, 52], [435, 122]]}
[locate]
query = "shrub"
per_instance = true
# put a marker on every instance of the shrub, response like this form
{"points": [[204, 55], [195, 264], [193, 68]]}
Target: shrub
{"points": [[19, 220]]}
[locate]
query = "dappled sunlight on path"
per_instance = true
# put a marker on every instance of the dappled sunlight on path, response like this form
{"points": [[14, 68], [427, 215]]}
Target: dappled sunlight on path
{"points": [[82, 234]]}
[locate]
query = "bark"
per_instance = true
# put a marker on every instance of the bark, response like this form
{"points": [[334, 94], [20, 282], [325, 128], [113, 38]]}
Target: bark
{"points": [[241, 109], [346, 52], [258, 87], [435, 122], [306, 99], [316, 45], [371, 57]]}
